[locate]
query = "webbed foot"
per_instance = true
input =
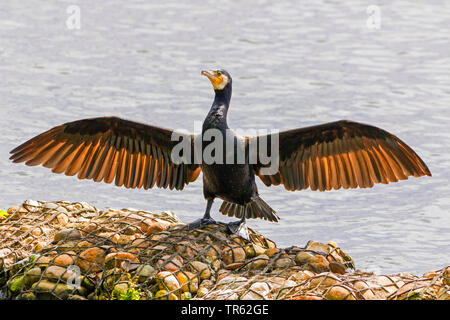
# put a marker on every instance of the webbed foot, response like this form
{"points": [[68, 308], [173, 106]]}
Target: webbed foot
{"points": [[201, 223]]}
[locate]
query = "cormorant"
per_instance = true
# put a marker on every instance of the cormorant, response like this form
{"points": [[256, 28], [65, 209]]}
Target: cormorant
{"points": [[323, 157]]}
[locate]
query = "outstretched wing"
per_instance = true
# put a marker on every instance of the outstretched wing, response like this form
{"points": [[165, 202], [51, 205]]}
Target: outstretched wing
{"points": [[341, 154], [134, 155]]}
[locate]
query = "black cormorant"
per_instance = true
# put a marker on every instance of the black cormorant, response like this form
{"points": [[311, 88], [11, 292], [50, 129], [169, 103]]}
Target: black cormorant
{"points": [[323, 157]]}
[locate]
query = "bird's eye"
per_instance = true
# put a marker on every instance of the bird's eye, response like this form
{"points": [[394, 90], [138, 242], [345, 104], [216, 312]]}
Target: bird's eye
{"points": [[219, 73]]}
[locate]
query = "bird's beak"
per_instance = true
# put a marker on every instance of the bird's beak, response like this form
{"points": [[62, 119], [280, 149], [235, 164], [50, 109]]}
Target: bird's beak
{"points": [[208, 74]]}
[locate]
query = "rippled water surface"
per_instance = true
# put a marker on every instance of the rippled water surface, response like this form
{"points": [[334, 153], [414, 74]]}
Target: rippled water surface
{"points": [[294, 63]]}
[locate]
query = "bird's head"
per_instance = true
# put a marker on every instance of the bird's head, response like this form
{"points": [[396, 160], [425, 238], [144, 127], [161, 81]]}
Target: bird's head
{"points": [[219, 78]]}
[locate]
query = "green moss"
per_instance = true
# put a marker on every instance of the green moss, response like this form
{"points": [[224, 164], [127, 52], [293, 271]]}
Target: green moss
{"points": [[122, 291]]}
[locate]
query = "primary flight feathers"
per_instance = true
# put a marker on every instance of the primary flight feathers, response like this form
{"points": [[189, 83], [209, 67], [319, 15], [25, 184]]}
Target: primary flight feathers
{"points": [[323, 157]]}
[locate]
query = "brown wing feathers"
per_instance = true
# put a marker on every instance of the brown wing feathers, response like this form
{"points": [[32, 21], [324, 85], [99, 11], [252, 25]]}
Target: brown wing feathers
{"points": [[109, 149], [342, 154]]}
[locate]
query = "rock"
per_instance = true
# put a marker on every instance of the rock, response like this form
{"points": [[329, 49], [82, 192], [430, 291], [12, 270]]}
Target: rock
{"points": [[260, 262], [63, 260], [303, 257], [284, 263], [202, 292], [36, 232], [200, 269], [446, 276], [188, 281], [28, 296], [323, 280], [317, 247], [271, 252], [339, 293], [31, 276], [161, 295], [170, 264], [364, 289], [48, 290], [66, 235], [120, 259], [234, 266], [32, 205], [91, 260], [300, 276], [319, 263], [63, 219], [15, 284], [75, 297], [258, 250], [150, 226], [145, 272], [257, 291], [56, 273], [337, 267], [185, 250], [38, 247], [119, 290], [232, 255], [167, 281]]}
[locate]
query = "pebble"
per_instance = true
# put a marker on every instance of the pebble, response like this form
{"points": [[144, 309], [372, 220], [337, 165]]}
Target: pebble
{"points": [[232, 255], [66, 235], [259, 262], [91, 259]]}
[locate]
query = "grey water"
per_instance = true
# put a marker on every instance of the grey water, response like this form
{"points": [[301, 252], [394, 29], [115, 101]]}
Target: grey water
{"points": [[293, 63]]}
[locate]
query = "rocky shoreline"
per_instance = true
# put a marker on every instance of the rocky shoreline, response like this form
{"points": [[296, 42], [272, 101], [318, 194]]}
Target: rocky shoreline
{"points": [[63, 250]]}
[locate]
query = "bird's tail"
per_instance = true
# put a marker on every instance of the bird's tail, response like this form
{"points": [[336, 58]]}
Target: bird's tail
{"points": [[257, 208]]}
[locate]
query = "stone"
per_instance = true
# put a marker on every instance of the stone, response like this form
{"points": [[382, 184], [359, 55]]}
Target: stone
{"points": [[257, 291], [188, 281], [63, 219], [446, 275], [170, 264], [117, 259], [31, 276], [234, 266], [15, 284], [63, 260], [339, 293], [150, 226], [56, 273], [91, 259], [167, 281], [202, 292], [67, 234], [323, 280], [271, 252], [303, 257], [38, 247], [48, 290], [145, 272], [364, 289], [232, 255], [317, 247], [200, 267], [319, 263], [284, 263], [337, 267]]}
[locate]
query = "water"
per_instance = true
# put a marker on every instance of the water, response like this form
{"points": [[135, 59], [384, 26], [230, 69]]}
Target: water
{"points": [[293, 64]]}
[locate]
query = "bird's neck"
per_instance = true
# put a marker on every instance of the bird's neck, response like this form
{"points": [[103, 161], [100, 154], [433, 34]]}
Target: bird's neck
{"points": [[217, 116]]}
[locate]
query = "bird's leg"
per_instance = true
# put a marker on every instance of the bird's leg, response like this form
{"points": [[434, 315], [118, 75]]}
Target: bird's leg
{"points": [[206, 218], [239, 227]]}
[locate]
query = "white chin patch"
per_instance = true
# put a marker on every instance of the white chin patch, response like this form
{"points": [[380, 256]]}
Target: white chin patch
{"points": [[224, 82]]}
